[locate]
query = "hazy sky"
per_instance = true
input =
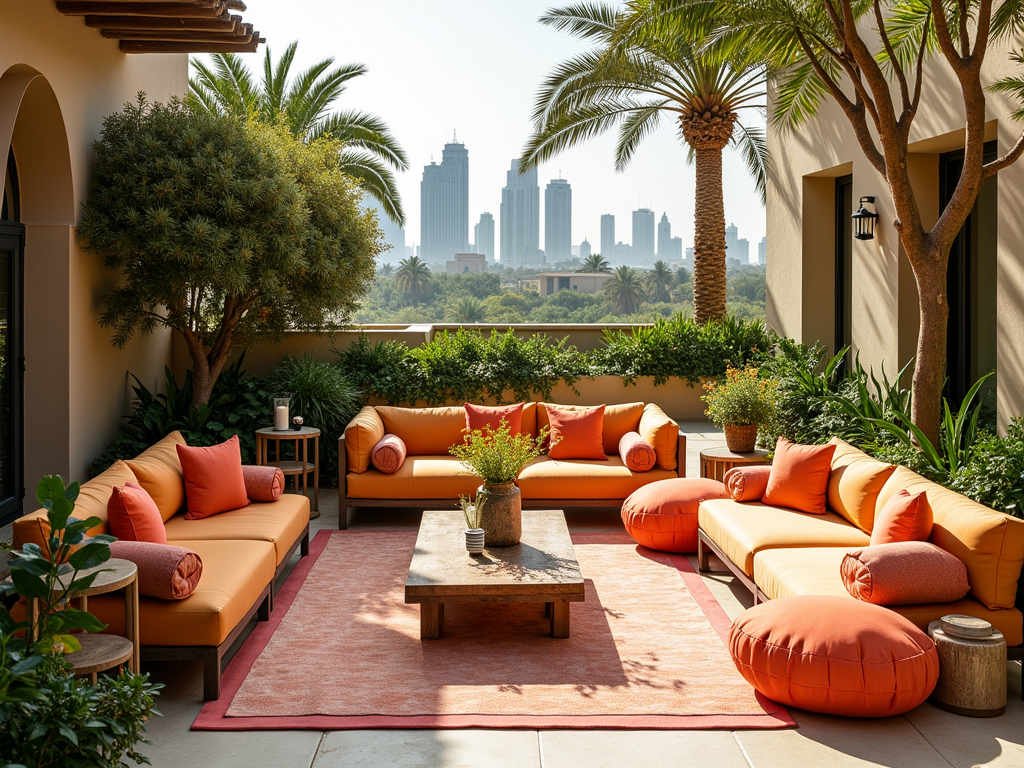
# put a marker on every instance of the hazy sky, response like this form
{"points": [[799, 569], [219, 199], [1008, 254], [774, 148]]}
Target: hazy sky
{"points": [[475, 66]]}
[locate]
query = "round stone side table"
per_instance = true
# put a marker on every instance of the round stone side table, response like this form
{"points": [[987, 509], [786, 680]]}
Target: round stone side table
{"points": [[972, 666]]}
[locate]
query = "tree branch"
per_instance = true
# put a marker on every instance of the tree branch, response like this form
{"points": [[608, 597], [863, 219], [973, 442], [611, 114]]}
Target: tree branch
{"points": [[991, 169], [984, 30], [945, 39], [894, 60], [965, 40], [919, 77]]}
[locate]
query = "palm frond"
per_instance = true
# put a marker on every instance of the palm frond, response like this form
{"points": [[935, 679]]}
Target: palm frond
{"points": [[376, 178], [590, 21], [275, 79], [752, 143], [362, 130], [636, 126]]}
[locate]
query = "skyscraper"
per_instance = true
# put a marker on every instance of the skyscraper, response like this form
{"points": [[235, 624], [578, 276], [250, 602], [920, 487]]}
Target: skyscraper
{"points": [[762, 251], [742, 250], [732, 239], [608, 237], [675, 249], [664, 238], [520, 219], [558, 220], [444, 205], [585, 250], [483, 236], [643, 237]]}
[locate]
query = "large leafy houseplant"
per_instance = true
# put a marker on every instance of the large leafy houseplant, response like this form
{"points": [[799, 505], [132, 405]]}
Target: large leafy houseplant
{"points": [[740, 403], [47, 716]]}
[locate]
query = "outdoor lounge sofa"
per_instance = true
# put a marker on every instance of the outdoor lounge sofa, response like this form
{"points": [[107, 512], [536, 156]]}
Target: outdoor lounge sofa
{"points": [[243, 553], [778, 552], [431, 476]]}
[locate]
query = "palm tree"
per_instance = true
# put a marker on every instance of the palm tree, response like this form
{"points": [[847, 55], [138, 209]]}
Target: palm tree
{"points": [[595, 262], [646, 64], [385, 270], [468, 309], [413, 278], [623, 291], [370, 153], [659, 282]]}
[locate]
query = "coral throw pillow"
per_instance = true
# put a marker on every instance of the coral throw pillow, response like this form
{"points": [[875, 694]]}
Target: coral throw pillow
{"points": [[489, 417], [799, 476], [133, 515], [165, 571], [637, 455], [213, 479], [388, 454], [576, 433], [903, 518], [262, 483], [904, 573], [747, 483]]}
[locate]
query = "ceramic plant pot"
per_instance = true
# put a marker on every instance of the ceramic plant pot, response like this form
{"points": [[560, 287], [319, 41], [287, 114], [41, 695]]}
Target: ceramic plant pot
{"points": [[474, 540], [741, 439], [503, 514]]}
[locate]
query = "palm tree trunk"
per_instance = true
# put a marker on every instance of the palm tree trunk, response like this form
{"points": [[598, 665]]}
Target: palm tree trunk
{"points": [[709, 238]]}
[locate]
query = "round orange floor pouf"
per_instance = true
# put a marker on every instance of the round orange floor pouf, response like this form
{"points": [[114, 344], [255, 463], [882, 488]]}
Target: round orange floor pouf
{"points": [[663, 515], [834, 655]]}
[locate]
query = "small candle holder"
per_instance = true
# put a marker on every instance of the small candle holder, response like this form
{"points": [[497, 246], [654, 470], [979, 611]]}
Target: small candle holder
{"points": [[297, 423], [282, 408]]}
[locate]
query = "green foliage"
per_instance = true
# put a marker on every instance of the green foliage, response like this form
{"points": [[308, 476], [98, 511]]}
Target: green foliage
{"points": [[384, 369], [473, 511], [680, 347], [320, 391], [742, 398], [413, 278], [995, 474], [624, 292], [498, 456]]}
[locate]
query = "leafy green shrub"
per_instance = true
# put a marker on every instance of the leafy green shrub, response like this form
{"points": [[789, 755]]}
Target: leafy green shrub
{"points": [[385, 370], [741, 399], [320, 392], [995, 474], [679, 347]]}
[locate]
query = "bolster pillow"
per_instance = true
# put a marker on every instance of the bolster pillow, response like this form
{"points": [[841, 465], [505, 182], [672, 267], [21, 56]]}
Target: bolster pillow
{"points": [[747, 483], [263, 483], [904, 573], [388, 454], [165, 571], [637, 454]]}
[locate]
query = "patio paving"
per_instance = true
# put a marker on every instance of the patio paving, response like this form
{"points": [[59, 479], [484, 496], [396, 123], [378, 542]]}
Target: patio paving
{"points": [[924, 738]]}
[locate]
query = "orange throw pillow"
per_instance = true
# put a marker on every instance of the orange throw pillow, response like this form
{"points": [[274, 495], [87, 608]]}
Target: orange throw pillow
{"points": [[133, 515], [903, 518], [489, 417], [799, 476], [213, 479], [389, 454], [576, 433], [904, 573], [747, 483], [637, 455]]}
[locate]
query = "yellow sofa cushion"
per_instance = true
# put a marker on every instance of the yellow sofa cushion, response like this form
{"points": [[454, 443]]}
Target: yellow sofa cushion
{"points": [[854, 484], [990, 543], [743, 530], [281, 523], [159, 471], [426, 431], [546, 478], [815, 571], [660, 431], [419, 477], [361, 435], [234, 575], [92, 502]]}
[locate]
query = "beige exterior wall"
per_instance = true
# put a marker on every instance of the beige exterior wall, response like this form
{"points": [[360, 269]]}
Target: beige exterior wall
{"points": [[801, 237], [58, 79]]}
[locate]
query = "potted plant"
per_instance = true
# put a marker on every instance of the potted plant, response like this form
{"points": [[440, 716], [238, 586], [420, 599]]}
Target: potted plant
{"points": [[473, 513], [497, 457], [738, 404]]}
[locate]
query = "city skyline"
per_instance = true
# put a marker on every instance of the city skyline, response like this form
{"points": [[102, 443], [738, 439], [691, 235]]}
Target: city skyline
{"points": [[501, 55]]}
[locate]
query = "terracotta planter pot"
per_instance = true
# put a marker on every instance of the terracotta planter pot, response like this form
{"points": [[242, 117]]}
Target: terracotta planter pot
{"points": [[503, 514], [741, 439]]}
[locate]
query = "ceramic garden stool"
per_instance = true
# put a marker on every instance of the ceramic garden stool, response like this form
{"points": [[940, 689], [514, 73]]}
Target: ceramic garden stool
{"points": [[834, 655], [972, 657], [663, 515]]}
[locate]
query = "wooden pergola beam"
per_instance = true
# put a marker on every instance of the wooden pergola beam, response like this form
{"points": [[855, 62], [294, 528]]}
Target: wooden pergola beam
{"points": [[182, 9], [223, 23], [158, 46], [243, 35]]}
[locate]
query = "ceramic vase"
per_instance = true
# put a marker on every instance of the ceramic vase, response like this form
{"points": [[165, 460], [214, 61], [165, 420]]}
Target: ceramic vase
{"points": [[741, 439], [474, 540], [503, 514]]}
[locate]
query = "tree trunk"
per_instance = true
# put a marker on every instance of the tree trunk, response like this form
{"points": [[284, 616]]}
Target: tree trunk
{"points": [[206, 367], [932, 340], [708, 133]]}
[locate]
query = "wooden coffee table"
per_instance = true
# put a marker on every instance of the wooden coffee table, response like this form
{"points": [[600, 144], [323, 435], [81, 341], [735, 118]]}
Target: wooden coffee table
{"points": [[542, 568]]}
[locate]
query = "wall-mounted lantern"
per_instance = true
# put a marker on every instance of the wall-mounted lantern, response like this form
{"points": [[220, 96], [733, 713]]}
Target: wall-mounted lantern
{"points": [[864, 220]]}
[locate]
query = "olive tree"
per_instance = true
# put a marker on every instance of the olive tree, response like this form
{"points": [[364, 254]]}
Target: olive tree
{"points": [[228, 232]]}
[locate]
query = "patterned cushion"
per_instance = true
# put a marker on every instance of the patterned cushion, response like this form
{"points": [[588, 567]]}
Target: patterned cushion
{"points": [[904, 573], [165, 571]]}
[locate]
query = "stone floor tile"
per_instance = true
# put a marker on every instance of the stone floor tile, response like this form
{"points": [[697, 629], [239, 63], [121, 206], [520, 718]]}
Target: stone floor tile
{"points": [[429, 749], [615, 749], [837, 742]]}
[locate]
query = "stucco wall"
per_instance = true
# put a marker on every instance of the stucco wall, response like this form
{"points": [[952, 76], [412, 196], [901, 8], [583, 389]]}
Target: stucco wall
{"points": [[75, 382], [884, 295]]}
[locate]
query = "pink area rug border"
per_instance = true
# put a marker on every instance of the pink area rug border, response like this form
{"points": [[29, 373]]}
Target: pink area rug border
{"points": [[213, 716]]}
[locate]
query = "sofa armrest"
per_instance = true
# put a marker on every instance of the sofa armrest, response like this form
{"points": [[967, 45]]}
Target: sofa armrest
{"points": [[361, 435], [681, 455]]}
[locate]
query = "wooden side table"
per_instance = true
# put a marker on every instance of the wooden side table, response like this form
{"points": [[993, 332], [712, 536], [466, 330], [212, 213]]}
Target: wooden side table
{"points": [[102, 652], [299, 467], [715, 462]]}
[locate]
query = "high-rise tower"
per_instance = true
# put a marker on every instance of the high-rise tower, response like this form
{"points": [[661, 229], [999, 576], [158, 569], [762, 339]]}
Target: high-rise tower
{"points": [[483, 236], [444, 205], [643, 237], [664, 238], [558, 220], [608, 237], [520, 219]]}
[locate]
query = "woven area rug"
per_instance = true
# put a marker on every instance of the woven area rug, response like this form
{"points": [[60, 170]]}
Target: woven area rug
{"points": [[342, 651]]}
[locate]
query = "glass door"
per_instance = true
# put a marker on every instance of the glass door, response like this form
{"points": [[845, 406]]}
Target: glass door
{"points": [[12, 366], [844, 267]]}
